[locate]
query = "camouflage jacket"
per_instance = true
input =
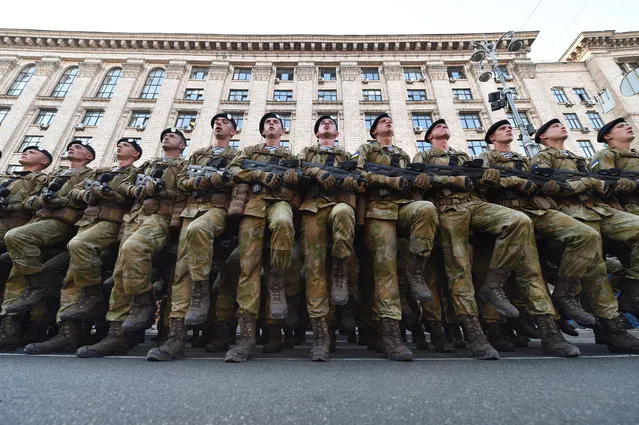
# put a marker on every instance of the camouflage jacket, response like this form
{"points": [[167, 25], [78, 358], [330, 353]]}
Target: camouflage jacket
{"points": [[624, 160], [20, 184]]}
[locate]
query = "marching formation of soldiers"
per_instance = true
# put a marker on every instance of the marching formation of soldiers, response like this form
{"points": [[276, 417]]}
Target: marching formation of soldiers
{"points": [[374, 243]]}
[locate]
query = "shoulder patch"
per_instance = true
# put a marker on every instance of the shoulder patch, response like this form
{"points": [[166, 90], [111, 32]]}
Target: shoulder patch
{"points": [[594, 163], [355, 155]]}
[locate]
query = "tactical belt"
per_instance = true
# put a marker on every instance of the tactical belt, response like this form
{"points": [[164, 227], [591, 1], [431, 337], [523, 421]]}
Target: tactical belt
{"points": [[511, 203], [106, 213], [66, 215], [452, 201]]}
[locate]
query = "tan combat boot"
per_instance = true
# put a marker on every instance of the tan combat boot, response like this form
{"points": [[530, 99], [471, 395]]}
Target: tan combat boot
{"points": [[200, 301], [278, 308], [89, 305], [339, 284], [438, 337], [394, 348], [564, 296], [66, 341], [415, 278], [10, 332], [552, 341], [321, 340], [479, 345], [492, 291], [36, 289], [617, 337], [142, 313], [116, 343], [174, 346], [245, 348]]}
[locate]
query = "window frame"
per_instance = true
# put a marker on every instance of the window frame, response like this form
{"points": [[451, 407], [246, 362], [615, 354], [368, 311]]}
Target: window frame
{"points": [[151, 88], [21, 80], [65, 82], [107, 87]]}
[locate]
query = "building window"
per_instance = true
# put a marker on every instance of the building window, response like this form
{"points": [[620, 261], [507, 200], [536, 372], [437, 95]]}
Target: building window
{"points": [[581, 94], [92, 118], [586, 148], [327, 95], [573, 121], [423, 146], [193, 94], [505, 72], [283, 95], [415, 95], [286, 121], [462, 94], [513, 91], [21, 80], [413, 74], [239, 120], [152, 85], [285, 144], [45, 116], [284, 74], [595, 120], [139, 119], [370, 74], [84, 140], [242, 74], [456, 73], [328, 74], [199, 73], [3, 114], [186, 120], [108, 84], [511, 118], [368, 120], [560, 95], [422, 120], [470, 120], [14, 168], [534, 148], [29, 141], [235, 144], [238, 95], [475, 147], [372, 95], [63, 86]]}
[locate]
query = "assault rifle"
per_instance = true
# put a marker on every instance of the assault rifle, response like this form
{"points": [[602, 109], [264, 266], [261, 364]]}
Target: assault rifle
{"points": [[275, 166], [618, 173], [102, 183], [51, 191], [341, 172], [4, 194], [156, 178], [217, 166]]}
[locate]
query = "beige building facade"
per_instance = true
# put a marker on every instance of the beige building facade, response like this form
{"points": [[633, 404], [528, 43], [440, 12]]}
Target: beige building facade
{"points": [[57, 86]]}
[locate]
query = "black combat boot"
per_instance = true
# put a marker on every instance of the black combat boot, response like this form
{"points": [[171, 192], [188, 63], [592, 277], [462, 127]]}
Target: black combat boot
{"points": [[274, 344], [66, 341], [524, 325], [89, 306], [339, 284], [321, 340], [519, 341], [142, 313], [200, 301], [616, 336], [116, 343], [565, 299], [222, 340], [552, 341], [293, 306], [394, 348], [415, 278], [629, 298], [36, 289], [496, 337], [437, 337], [173, 348], [566, 327], [10, 332], [492, 291], [479, 345], [245, 347], [419, 338], [454, 334], [278, 308]]}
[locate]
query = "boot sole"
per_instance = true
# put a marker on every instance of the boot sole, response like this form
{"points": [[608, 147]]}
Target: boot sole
{"points": [[155, 355], [143, 327], [510, 314]]}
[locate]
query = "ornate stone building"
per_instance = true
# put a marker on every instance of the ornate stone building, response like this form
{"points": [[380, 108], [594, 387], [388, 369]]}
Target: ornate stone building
{"points": [[56, 86]]}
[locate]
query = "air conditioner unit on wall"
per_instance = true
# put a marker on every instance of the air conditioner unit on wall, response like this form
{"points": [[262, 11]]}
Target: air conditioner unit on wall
{"points": [[585, 129], [277, 81], [364, 80], [479, 129], [418, 130], [79, 127], [409, 81], [43, 126], [320, 79], [452, 79], [140, 127], [569, 104]]}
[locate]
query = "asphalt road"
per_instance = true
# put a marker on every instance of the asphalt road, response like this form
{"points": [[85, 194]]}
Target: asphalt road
{"points": [[355, 387]]}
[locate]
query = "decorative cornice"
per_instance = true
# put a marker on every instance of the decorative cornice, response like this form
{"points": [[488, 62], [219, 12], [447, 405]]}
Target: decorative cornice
{"points": [[393, 72], [175, 70], [436, 71], [305, 72], [47, 66], [132, 68], [218, 70], [7, 64], [90, 68], [525, 69], [589, 41], [261, 72], [350, 71]]}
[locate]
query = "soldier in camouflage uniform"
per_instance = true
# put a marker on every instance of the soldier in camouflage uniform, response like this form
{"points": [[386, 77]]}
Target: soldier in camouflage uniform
{"points": [[204, 219], [146, 231], [459, 213], [392, 209], [81, 300], [327, 211], [585, 204], [269, 204], [55, 216], [618, 135]]}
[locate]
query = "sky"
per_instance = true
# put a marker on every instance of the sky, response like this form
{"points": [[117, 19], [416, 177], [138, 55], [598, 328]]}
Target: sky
{"points": [[559, 21]]}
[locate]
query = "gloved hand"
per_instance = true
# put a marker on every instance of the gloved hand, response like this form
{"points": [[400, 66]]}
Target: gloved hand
{"points": [[422, 181], [290, 177], [521, 184], [551, 187], [351, 184], [56, 202], [602, 187], [455, 182], [33, 202], [89, 198], [490, 177], [625, 185], [201, 183], [216, 180], [271, 181], [397, 183]]}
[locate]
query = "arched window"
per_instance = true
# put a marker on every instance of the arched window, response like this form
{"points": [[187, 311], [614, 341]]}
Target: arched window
{"points": [[21, 80], [62, 88], [108, 84], [153, 83]]}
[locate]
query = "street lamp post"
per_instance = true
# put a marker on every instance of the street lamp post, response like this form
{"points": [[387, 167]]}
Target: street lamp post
{"points": [[486, 49]]}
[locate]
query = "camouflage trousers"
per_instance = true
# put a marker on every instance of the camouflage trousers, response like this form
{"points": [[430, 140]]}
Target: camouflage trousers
{"points": [[8, 223], [143, 236], [195, 256], [513, 231], [85, 265], [227, 292], [418, 222], [279, 218], [338, 221]]}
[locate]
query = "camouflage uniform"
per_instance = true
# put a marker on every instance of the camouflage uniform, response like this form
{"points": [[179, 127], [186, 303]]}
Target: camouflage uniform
{"points": [[388, 213], [264, 207], [619, 158], [323, 213], [204, 219], [146, 231]]}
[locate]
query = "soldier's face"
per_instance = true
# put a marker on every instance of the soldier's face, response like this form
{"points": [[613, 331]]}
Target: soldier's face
{"points": [[622, 132], [223, 128], [384, 127], [327, 129], [273, 128], [126, 151], [173, 141], [77, 152], [33, 157], [503, 134], [440, 131], [557, 131]]}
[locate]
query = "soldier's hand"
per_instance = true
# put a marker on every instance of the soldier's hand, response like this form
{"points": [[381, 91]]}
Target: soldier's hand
{"points": [[56, 202], [527, 187], [271, 180], [625, 185], [257, 176], [327, 180], [551, 187], [33, 202], [397, 183], [150, 188], [312, 172], [422, 181], [456, 182], [490, 177], [351, 184], [216, 180], [602, 187], [137, 192], [290, 177], [97, 193], [201, 183], [88, 197]]}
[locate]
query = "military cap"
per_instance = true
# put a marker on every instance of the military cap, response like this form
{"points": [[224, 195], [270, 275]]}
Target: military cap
{"points": [[133, 142], [541, 130], [320, 119], [432, 127], [267, 116], [174, 131], [223, 115], [82, 143], [606, 129], [493, 128], [42, 151], [374, 125]]}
